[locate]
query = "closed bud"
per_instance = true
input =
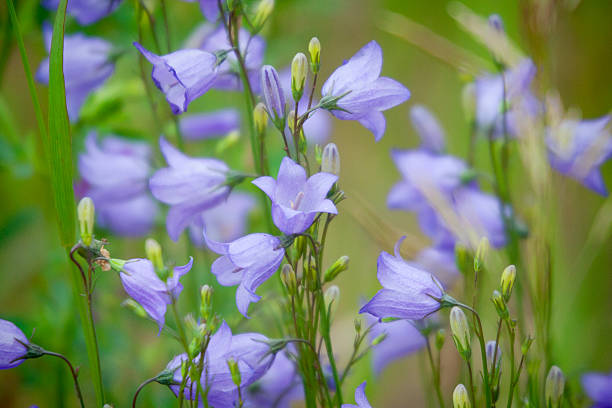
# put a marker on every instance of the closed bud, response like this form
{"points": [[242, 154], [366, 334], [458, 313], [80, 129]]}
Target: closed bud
{"points": [[461, 398], [330, 159], [274, 96], [357, 324], [154, 253], [314, 49], [134, 307], [507, 281], [262, 12], [379, 339], [291, 120], [496, 22], [289, 279], [299, 69], [493, 351], [331, 296], [481, 254], [460, 331], [553, 389], [440, 338], [235, 371], [500, 305], [86, 214], [260, 117], [337, 267], [206, 302]]}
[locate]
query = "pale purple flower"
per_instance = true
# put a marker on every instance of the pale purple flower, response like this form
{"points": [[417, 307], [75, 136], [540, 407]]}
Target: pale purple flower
{"points": [[87, 65], [360, 398], [189, 185], [210, 124], [183, 75], [279, 387], [598, 387], [296, 198], [224, 222], [577, 149], [440, 261], [408, 292], [490, 352], [116, 172], [86, 11], [480, 214], [247, 262], [363, 93], [274, 95], [11, 347], [429, 129], [142, 284]]}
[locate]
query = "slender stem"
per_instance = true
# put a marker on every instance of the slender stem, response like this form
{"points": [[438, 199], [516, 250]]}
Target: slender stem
{"points": [[471, 379], [73, 372], [166, 24], [312, 91], [435, 373], [511, 339], [483, 353], [179, 327], [140, 387], [493, 365]]}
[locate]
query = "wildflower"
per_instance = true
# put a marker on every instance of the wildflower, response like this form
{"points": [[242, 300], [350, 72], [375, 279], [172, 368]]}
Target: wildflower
{"points": [[279, 387], [274, 95], [12, 345], [115, 173], [86, 11], [296, 199], [210, 124], [189, 185], [183, 75], [87, 66], [598, 387], [429, 129], [408, 292], [360, 398], [356, 91]]}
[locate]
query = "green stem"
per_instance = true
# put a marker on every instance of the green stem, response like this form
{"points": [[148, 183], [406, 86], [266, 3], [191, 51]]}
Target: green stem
{"points": [[483, 353], [471, 379], [512, 383], [140, 387], [74, 374], [435, 373]]}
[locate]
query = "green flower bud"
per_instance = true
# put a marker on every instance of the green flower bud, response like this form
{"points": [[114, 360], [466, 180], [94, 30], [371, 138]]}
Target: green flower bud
{"points": [[291, 120], [461, 332], [86, 214], [553, 389], [260, 117], [379, 339], [337, 267], [357, 324], [500, 305], [289, 279], [461, 398], [507, 281], [154, 253], [235, 371], [117, 264], [330, 159], [440, 338], [299, 69], [134, 307], [481, 254], [314, 49], [462, 259], [262, 12], [331, 296], [206, 302]]}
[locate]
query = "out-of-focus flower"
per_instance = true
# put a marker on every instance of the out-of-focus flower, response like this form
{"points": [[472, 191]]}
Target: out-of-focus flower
{"points": [[279, 387], [210, 124], [408, 292], [461, 398], [490, 353], [440, 261], [87, 65], [86, 11], [183, 75], [577, 149], [189, 185], [115, 173], [12, 347], [429, 129], [247, 262], [296, 198], [144, 285], [598, 387], [360, 398], [554, 387], [356, 91]]}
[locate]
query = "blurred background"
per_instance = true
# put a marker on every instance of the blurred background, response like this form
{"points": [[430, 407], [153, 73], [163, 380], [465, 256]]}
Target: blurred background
{"points": [[572, 46]]}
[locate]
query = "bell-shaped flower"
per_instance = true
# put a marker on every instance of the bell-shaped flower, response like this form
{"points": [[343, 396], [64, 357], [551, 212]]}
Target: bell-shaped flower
{"points": [[86, 11], [356, 91], [429, 129], [115, 172], [247, 262], [189, 185], [408, 292], [183, 75], [577, 149], [12, 349], [598, 387], [209, 125], [360, 398], [296, 198], [87, 65]]}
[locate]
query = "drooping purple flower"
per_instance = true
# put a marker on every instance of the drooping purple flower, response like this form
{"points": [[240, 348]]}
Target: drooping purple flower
{"points": [[11, 347], [408, 292], [209, 125], [86, 11], [577, 149], [116, 173], [273, 94], [144, 285], [296, 198], [363, 93], [224, 222], [429, 129], [598, 387], [360, 398], [247, 262], [189, 185], [87, 65], [183, 75]]}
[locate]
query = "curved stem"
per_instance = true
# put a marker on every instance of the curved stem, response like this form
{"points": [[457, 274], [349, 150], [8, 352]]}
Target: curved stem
{"points": [[140, 387], [73, 372]]}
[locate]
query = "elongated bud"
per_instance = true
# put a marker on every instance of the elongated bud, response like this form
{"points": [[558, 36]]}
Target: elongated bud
{"points": [[379, 339], [461, 332], [260, 117], [154, 253], [299, 70], [500, 305], [291, 120], [490, 353], [553, 389], [314, 49], [461, 398], [206, 302], [138, 310], [289, 279], [507, 281], [235, 371], [357, 324], [274, 96], [331, 296], [262, 11], [86, 215], [330, 159], [337, 267], [481, 254], [440, 338]]}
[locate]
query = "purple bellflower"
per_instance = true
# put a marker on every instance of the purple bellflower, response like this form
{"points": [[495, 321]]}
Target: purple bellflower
{"points": [[115, 173], [183, 75], [429, 129], [598, 387], [440, 261], [143, 284], [87, 65], [356, 91], [274, 95], [408, 292], [360, 398], [189, 185], [86, 11], [12, 347], [297, 199], [209, 125], [577, 149]]}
